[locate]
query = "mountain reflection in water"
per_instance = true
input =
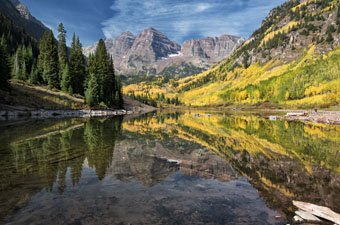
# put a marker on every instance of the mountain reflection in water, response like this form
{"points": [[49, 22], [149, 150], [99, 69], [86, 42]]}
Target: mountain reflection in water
{"points": [[171, 168]]}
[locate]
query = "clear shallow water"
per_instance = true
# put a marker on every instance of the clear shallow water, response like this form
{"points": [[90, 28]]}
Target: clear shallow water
{"points": [[165, 169]]}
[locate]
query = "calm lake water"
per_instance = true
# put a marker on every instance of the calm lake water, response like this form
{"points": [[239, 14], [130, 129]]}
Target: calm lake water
{"points": [[165, 168]]}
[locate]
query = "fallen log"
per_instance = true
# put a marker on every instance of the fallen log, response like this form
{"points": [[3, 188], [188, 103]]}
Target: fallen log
{"points": [[307, 216], [319, 211], [297, 114]]}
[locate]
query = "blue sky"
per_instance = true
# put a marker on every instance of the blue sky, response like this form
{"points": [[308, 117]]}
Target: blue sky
{"points": [[178, 19]]}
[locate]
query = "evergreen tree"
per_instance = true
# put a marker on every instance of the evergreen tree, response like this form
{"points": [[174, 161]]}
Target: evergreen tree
{"points": [[111, 93], [77, 66], [102, 68], [27, 59], [90, 69], [102, 86], [118, 98], [65, 83], [34, 75], [23, 71], [4, 66], [14, 35], [246, 59], [91, 65], [22, 62], [16, 69], [62, 49], [92, 92], [48, 64]]}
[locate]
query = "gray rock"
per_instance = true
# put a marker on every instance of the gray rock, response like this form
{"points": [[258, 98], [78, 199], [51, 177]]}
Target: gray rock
{"points": [[151, 52]]}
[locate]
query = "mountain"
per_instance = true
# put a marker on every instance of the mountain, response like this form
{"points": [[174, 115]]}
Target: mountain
{"points": [[212, 49], [151, 53], [292, 60], [21, 16]]}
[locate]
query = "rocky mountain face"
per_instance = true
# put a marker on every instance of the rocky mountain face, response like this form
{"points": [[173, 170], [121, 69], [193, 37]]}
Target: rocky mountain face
{"points": [[152, 53], [21, 16], [212, 49]]}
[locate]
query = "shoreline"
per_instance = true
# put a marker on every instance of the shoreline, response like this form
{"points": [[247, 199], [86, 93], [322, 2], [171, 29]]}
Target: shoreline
{"points": [[323, 116], [45, 114], [326, 117], [15, 112]]}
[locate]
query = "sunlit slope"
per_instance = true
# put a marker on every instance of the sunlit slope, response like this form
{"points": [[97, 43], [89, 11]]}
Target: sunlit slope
{"points": [[292, 60], [310, 81]]}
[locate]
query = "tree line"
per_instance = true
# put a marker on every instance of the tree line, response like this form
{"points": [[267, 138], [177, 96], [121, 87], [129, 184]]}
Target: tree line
{"points": [[50, 62], [160, 99]]}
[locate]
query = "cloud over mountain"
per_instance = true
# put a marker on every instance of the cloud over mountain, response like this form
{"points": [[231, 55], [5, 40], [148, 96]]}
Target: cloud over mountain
{"points": [[182, 19]]}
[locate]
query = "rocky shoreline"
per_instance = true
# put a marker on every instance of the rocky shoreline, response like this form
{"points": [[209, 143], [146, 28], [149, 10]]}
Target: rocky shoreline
{"points": [[14, 112], [326, 117], [36, 114]]}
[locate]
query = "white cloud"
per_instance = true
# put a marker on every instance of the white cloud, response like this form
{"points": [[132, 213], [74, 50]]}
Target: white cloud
{"points": [[180, 19], [201, 7]]}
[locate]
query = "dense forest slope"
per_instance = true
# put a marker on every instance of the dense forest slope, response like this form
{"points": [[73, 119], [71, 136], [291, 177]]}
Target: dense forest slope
{"points": [[21, 16], [292, 60]]}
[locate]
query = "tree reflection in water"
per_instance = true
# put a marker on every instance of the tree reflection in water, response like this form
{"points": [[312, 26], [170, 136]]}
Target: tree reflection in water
{"points": [[282, 160]]}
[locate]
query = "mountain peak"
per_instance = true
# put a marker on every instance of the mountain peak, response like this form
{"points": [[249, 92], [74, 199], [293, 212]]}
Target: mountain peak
{"points": [[127, 33], [151, 51], [152, 45], [151, 29]]}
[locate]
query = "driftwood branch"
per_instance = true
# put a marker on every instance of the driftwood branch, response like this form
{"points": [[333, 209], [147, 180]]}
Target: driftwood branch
{"points": [[319, 211]]}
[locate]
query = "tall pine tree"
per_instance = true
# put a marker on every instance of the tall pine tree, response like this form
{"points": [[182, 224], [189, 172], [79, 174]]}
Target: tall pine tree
{"points": [[16, 68], [102, 68], [34, 75], [92, 94], [65, 83], [77, 66], [48, 63], [64, 72], [102, 86], [22, 62], [62, 48]]}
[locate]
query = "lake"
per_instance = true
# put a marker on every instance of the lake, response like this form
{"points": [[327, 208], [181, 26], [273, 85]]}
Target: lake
{"points": [[165, 168]]}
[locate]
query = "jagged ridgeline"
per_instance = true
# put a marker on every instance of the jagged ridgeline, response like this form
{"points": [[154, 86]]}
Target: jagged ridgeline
{"points": [[292, 60], [151, 53]]}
